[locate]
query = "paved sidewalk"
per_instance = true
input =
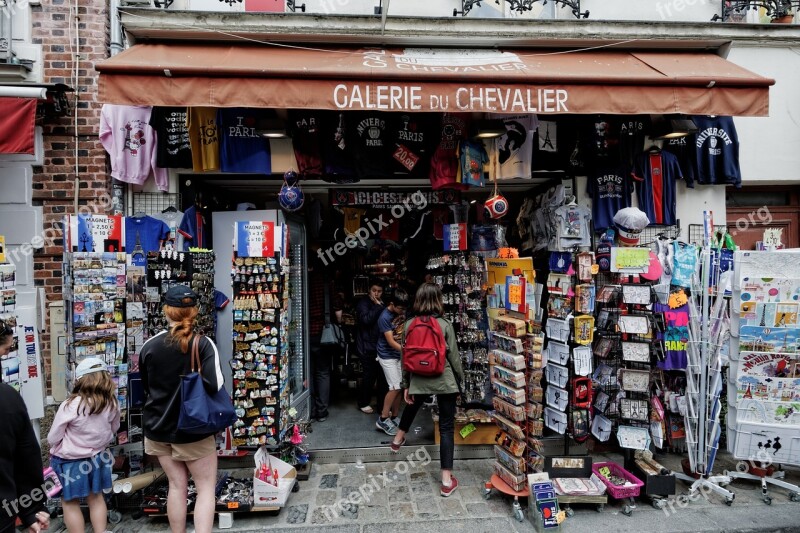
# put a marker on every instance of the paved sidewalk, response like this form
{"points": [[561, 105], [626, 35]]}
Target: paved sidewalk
{"points": [[404, 497]]}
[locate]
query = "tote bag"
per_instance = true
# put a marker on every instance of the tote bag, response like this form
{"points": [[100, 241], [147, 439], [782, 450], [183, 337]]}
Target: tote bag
{"points": [[203, 413]]}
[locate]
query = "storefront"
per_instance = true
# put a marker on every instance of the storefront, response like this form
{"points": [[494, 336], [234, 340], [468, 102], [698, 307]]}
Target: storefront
{"points": [[576, 115]]}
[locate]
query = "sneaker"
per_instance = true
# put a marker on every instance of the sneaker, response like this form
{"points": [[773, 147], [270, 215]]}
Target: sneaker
{"points": [[387, 426], [396, 421], [447, 491], [367, 410], [395, 446], [322, 418]]}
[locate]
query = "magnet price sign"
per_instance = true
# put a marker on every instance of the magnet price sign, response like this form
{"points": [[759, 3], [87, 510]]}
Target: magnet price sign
{"points": [[455, 237], [255, 239]]}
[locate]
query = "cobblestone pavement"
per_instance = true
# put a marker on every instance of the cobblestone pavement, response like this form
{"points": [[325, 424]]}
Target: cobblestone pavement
{"points": [[404, 496]]}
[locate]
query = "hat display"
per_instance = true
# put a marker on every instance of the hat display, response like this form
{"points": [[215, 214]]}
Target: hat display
{"points": [[90, 365], [177, 294]]}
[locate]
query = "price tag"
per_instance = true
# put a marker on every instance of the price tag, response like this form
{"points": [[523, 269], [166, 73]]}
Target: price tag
{"points": [[561, 516], [467, 430], [514, 294], [595, 269], [233, 505], [293, 412]]}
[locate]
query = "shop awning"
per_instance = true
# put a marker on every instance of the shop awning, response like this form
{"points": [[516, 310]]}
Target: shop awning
{"points": [[425, 79], [17, 124]]}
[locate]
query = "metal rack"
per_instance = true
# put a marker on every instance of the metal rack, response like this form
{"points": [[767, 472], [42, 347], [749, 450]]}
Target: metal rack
{"points": [[151, 203]]}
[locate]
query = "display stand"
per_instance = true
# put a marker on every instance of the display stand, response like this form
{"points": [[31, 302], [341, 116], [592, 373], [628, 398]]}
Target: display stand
{"points": [[496, 482], [704, 380], [762, 426]]}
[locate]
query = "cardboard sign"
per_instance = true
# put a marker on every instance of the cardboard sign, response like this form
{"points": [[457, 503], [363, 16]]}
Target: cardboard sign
{"points": [[455, 237], [255, 239]]}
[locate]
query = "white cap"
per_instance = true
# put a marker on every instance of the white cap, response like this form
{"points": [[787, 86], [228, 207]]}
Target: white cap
{"points": [[90, 365]]}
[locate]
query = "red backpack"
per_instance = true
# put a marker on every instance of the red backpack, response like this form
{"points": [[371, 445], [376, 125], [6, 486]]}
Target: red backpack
{"points": [[425, 350]]}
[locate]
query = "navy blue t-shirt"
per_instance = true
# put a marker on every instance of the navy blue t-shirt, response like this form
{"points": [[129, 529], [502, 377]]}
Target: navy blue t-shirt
{"points": [[241, 149], [717, 151], [386, 323], [610, 188]]}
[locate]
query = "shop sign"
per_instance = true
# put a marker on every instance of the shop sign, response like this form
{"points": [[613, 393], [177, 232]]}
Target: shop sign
{"points": [[96, 233], [383, 199], [256, 239], [455, 237]]}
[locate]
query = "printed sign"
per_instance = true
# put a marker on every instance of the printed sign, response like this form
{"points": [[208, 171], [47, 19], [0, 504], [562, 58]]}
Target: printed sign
{"points": [[455, 237], [255, 239], [96, 233], [630, 260], [383, 199]]}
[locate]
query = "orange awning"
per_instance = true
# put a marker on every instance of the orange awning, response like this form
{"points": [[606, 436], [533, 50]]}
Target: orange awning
{"points": [[429, 79]]}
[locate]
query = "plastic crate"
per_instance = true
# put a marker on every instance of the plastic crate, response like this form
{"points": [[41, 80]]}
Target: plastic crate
{"points": [[616, 491]]}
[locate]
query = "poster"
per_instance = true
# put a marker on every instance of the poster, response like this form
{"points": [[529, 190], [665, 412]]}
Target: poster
{"points": [[96, 233], [257, 239], [499, 269]]}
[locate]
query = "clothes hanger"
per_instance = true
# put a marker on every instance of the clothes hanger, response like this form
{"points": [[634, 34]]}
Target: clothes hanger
{"points": [[170, 209], [139, 214], [572, 201]]}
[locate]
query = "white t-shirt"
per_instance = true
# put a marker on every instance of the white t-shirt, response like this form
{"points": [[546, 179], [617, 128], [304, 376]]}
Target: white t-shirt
{"points": [[514, 149], [573, 226]]}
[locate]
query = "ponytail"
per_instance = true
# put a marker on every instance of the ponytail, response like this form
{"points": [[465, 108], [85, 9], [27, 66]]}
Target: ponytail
{"points": [[183, 324]]}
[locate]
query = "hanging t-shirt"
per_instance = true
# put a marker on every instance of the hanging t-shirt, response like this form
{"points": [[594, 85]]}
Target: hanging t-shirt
{"points": [[444, 161], [684, 263], [631, 132], [352, 219], [305, 128], [143, 234], [603, 140], [573, 226], [411, 150], [610, 188], [655, 174], [665, 251], [515, 146], [472, 157], [684, 149], [172, 219], [717, 151], [556, 146], [204, 138], [193, 228], [173, 149], [371, 145], [220, 302], [337, 149], [674, 337], [241, 148]]}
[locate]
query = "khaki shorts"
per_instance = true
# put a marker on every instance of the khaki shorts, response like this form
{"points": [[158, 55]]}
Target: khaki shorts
{"points": [[190, 451], [393, 372]]}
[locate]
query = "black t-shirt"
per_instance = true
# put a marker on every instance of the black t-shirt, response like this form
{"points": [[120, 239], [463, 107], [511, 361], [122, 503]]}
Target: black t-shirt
{"points": [[556, 145], [413, 139], [306, 130], [631, 132], [172, 146], [370, 134], [684, 149], [337, 149]]}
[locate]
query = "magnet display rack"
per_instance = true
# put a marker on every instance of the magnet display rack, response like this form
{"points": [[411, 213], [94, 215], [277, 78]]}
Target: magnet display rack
{"points": [[260, 361], [191, 269], [461, 275], [10, 363], [95, 292]]}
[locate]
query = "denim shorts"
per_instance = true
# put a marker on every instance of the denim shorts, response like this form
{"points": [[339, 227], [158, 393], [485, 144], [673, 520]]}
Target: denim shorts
{"points": [[82, 477]]}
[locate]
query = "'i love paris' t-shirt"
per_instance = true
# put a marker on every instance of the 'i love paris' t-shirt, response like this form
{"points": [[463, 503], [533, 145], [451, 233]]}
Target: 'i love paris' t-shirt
{"points": [[241, 148]]}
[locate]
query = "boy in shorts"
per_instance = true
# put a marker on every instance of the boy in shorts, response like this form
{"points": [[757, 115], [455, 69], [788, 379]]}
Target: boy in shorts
{"points": [[389, 359]]}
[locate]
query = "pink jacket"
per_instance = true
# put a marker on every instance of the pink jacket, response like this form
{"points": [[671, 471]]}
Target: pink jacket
{"points": [[129, 139], [79, 436]]}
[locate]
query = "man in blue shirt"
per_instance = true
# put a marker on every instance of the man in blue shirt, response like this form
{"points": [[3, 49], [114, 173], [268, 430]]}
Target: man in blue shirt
{"points": [[390, 325]]}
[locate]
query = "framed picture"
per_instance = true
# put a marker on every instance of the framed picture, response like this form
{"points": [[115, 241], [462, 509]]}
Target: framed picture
{"points": [[604, 346], [634, 438], [637, 352], [634, 409], [635, 380], [636, 324], [636, 294], [607, 293], [584, 261]]}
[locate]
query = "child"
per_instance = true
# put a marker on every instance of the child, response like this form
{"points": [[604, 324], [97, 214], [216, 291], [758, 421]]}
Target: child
{"points": [[82, 430], [389, 358]]}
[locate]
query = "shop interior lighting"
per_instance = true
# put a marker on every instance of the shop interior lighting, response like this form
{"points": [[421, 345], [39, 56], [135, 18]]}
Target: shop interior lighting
{"points": [[672, 127], [488, 129], [272, 129]]}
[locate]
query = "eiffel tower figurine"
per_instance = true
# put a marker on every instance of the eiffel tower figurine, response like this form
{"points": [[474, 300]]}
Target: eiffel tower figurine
{"points": [[763, 316], [547, 142], [138, 251]]}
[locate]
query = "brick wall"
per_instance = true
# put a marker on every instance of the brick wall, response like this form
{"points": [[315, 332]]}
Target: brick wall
{"points": [[54, 27]]}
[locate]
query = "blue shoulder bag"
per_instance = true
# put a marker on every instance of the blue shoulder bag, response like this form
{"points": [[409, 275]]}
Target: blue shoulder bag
{"points": [[203, 413]]}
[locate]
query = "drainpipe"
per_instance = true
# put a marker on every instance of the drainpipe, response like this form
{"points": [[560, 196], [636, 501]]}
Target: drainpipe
{"points": [[116, 45], [7, 29]]}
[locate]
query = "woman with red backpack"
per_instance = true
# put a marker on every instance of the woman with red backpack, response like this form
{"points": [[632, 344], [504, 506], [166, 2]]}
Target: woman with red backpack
{"points": [[427, 371]]}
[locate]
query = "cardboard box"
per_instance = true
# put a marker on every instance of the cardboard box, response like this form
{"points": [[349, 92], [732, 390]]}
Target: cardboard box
{"points": [[265, 494], [483, 434]]}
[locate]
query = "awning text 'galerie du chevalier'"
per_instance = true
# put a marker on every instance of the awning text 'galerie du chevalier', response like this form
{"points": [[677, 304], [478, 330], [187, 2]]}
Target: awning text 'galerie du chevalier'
{"points": [[426, 79]]}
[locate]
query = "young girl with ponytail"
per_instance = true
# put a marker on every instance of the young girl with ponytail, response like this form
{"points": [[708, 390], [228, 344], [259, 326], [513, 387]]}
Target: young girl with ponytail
{"points": [[163, 359]]}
